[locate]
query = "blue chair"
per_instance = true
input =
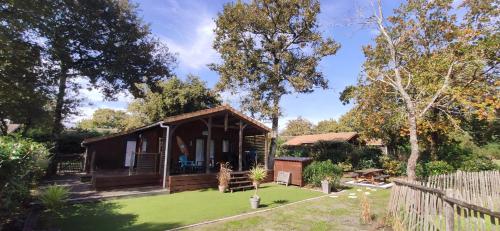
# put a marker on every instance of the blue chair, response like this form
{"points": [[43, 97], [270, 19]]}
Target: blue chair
{"points": [[185, 163]]}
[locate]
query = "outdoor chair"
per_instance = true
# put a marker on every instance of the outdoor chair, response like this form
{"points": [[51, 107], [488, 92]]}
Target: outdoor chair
{"points": [[185, 163]]}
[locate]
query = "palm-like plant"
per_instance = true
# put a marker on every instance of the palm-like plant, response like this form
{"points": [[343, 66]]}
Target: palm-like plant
{"points": [[257, 174]]}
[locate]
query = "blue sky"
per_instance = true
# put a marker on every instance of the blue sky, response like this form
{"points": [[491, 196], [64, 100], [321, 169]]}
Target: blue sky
{"points": [[186, 26]]}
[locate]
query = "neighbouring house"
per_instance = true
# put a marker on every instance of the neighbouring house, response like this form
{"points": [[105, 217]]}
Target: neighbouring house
{"points": [[379, 143], [181, 152], [348, 137], [306, 140], [11, 127]]}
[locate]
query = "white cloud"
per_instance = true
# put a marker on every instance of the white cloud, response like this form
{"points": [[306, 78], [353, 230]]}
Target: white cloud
{"points": [[195, 51], [93, 99]]}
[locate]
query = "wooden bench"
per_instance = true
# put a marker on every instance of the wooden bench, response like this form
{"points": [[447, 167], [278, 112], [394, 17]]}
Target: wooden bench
{"points": [[283, 178]]}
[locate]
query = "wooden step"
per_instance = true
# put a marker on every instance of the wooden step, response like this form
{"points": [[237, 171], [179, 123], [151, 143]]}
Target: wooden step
{"points": [[241, 187], [239, 177], [239, 173], [241, 182]]}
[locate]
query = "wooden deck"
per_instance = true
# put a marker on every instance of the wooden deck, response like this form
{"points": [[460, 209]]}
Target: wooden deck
{"points": [[102, 182], [175, 183]]}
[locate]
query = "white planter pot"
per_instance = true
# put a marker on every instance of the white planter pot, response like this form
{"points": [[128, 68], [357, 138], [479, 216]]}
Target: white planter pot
{"points": [[326, 187], [254, 202]]}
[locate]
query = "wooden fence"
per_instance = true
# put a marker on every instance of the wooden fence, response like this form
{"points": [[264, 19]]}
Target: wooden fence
{"points": [[458, 201], [69, 163]]}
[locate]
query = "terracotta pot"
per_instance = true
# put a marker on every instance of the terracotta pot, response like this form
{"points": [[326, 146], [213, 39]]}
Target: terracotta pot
{"points": [[222, 188]]}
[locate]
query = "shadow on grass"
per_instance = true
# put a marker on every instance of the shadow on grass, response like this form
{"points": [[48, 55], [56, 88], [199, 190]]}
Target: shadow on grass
{"points": [[275, 202], [102, 216]]}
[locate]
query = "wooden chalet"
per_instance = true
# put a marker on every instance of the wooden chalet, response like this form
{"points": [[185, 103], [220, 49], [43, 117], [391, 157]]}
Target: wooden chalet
{"points": [[180, 153]]}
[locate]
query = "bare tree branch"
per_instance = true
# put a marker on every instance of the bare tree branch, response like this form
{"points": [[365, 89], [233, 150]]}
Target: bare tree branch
{"points": [[440, 91]]}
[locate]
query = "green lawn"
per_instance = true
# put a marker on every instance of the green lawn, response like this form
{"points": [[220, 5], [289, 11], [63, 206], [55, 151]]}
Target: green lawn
{"points": [[174, 210], [327, 213]]}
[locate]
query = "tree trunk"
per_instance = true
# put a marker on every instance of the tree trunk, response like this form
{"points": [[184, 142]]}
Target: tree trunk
{"points": [[412, 161], [274, 133], [274, 137], [57, 127]]}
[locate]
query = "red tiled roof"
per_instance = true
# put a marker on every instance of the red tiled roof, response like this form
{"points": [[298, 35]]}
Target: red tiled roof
{"points": [[311, 139]]}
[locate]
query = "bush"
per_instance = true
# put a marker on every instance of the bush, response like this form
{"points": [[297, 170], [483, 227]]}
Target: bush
{"points": [[317, 171], [22, 163], [478, 163], [364, 164], [393, 167], [345, 166], [433, 168], [53, 198]]}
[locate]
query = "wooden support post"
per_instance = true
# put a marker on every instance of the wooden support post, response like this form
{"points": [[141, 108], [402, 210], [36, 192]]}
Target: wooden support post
{"points": [[240, 147], [209, 138], [92, 163], [266, 152]]}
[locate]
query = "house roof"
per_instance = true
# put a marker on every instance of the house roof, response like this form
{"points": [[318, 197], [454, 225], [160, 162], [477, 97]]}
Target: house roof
{"points": [[311, 139], [171, 120], [12, 128], [293, 158], [375, 142]]}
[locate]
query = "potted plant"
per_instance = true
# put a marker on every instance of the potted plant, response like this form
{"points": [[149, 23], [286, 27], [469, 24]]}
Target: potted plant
{"points": [[257, 174], [326, 184], [224, 176]]}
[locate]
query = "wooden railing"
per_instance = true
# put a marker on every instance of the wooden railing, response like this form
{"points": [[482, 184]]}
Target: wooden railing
{"points": [[459, 201], [146, 162]]}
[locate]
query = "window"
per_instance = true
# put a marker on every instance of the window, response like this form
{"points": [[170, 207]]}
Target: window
{"points": [[225, 145], [144, 146]]}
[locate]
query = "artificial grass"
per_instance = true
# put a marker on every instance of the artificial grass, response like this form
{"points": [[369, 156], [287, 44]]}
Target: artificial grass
{"points": [[169, 211]]}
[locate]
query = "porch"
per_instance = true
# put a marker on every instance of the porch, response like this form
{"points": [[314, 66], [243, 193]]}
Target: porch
{"points": [[181, 153]]}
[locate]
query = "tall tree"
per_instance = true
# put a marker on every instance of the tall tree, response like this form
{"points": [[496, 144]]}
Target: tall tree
{"points": [[102, 41], [270, 48], [104, 118], [24, 86], [299, 126], [174, 97], [427, 60]]}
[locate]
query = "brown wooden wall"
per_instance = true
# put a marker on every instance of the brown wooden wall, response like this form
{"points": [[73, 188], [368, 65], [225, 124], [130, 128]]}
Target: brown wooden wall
{"points": [[113, 182], [295, 168], [179, 183], [110, 153]]}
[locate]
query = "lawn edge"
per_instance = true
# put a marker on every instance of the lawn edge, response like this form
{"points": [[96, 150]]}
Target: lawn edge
{"points": [[245, 214]]}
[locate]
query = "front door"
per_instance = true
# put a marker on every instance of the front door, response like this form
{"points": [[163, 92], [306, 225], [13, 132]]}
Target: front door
{"points": [[129, 152], [200, 154]]}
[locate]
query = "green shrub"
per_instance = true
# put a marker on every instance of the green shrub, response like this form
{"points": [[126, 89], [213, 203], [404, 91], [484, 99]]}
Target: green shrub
{"points": [[317, 171], [22, 163], [345, 166], [433, 168], [53, 197], [367, 163], [392, 167], [478, 163]]}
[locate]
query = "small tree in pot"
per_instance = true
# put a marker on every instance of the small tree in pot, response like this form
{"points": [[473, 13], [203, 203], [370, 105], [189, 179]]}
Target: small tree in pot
{"points": [[257, 174], [224, 176]]}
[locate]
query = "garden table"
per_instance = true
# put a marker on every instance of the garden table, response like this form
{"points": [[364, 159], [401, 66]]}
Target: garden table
{"points": [[369, 174]]}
